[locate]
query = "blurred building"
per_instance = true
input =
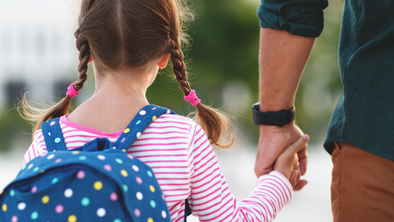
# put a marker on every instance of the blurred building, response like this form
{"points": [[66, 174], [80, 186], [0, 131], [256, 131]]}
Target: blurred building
{"points": [[35, 53]]}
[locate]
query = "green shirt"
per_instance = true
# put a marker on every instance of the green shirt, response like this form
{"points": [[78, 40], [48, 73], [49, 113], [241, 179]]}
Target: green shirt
{"points": [[364, 115]]}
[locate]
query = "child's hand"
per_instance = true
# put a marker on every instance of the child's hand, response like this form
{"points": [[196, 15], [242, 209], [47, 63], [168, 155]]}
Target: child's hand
{"points": [[287, 163]]}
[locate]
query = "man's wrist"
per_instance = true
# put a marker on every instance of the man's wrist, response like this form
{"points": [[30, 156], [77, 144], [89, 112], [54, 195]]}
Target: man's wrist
{"points": [[275, 118], [277, 129]]}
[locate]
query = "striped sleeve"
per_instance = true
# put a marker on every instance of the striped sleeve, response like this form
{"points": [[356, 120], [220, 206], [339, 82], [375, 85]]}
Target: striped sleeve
{"points": [[211, 199], [36, 148]]}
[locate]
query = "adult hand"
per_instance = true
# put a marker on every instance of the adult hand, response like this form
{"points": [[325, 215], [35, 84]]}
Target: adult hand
{"points": [[273, 140]]}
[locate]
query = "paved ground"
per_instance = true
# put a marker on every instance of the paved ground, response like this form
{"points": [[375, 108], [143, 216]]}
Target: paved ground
{"points": [[309, 205]]}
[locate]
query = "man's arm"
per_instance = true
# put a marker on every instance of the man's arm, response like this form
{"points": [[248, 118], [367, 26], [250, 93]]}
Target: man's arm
{"points": [[283, 57]]}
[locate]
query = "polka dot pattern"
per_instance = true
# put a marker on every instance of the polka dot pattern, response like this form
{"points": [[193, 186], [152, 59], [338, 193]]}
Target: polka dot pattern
{"points": [[55, 180], [85, 201], [50, 156], [125, 188], [152, 203], [68, 193], [21, 206], [101, 157], [45, 199], [72, 218], [98, 185], [163, 214], [124, 173], [59, 209], [34, 215], [101, 212], [34, 189], [135, 168], [107, 167], [137, 212], [81, 174], [14, 219], [113, 196], [99, 198], [139, 195]]}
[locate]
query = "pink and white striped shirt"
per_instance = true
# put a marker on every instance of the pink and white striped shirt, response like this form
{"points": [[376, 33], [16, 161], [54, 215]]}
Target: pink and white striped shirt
{"points": [[185, 165]]}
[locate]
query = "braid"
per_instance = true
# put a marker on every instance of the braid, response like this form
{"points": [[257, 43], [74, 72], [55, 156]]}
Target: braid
{"points": [[179, 68], [84, 57], [216, 125], [62, 107]]}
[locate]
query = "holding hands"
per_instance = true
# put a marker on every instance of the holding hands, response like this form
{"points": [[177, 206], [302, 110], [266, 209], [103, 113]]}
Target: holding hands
{"points": [[288, 163], [283, 149]]}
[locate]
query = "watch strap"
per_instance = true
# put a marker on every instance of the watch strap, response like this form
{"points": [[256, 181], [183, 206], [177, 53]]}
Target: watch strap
{"points": [[279, 118]]}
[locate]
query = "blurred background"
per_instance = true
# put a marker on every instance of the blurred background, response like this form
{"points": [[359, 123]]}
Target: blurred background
{"points": [[38, 57]]}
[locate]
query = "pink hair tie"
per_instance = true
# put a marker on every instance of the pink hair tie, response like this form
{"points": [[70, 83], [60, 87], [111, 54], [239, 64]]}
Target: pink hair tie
{"points": [[192, 98], [71, 92]]}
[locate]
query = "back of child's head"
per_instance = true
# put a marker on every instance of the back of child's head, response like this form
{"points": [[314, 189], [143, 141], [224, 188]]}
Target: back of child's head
{"points": [[131, 33]]}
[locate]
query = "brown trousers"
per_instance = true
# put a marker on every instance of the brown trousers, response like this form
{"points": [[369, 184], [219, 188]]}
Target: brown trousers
{"points": [[362, 186]]}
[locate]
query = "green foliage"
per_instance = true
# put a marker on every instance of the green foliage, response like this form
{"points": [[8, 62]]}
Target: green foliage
{"points": [[225, 44], [11, 123]]}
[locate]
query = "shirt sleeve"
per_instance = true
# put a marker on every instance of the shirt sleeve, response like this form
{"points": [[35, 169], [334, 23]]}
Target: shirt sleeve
{"points": [[211, 199], [36, 148], [298, 17]]}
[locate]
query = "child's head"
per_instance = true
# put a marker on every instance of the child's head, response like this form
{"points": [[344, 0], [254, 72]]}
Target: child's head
{"points": [[118, 34], [129, 33]]}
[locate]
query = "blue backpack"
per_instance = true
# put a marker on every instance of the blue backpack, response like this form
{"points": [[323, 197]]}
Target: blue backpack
{"points": [[96, 182]]}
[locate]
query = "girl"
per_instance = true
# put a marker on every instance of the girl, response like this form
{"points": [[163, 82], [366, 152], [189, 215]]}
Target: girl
{"points": [[128, 41]]}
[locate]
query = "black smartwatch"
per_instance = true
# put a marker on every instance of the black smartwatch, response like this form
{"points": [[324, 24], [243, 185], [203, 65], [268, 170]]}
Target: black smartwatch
{"points": [[279, 118]]}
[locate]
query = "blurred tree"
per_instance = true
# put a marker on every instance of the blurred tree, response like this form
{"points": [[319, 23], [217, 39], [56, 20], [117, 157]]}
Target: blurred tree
{"points": [[225, 44], [12, 126]]}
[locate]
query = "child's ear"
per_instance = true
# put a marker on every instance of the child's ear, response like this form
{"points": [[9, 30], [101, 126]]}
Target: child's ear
{"points": [[163, 61]]}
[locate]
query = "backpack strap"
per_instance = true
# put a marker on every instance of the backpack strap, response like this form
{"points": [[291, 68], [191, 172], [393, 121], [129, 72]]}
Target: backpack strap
{"points": [[188, 211], [140, 122], [53, 135]]}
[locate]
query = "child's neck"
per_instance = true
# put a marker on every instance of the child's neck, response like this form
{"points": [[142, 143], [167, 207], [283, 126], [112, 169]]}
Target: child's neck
{"points": [[118, 97]]}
